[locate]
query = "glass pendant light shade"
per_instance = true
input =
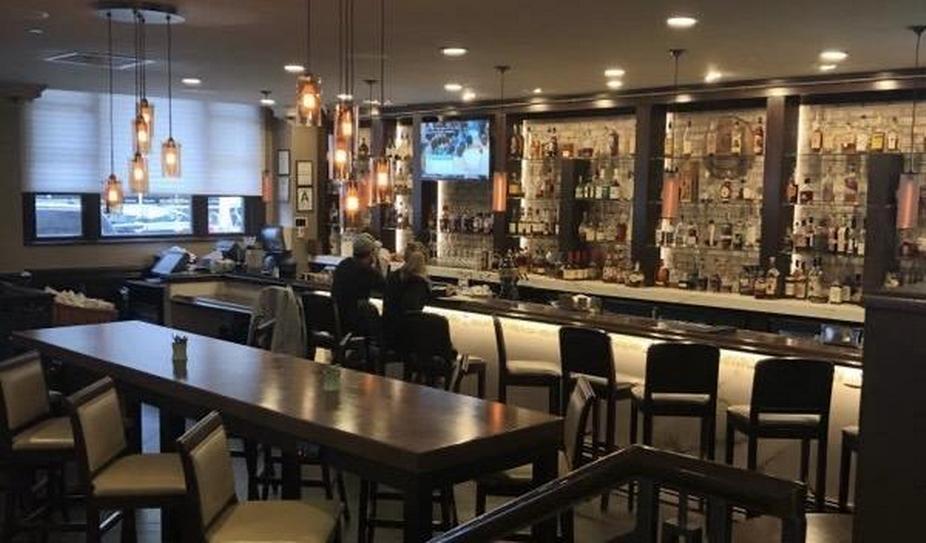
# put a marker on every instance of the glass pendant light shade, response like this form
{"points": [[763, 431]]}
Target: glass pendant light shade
{"points": [[138, 174], [352, 199], [146, 110], [670, 195], [499, 192], [309, 100], [112, 194], [382, 178], [908, 201], [141, 134], [344, 120], [170, 159], [266, 187]]}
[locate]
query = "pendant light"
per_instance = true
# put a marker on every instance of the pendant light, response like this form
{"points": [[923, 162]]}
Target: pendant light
{"points": [[671, 185], [143, 123], [500, 178], [170, 149], [908, 188], [344, 115], [112, 188], [308, 86], [382, 165]]}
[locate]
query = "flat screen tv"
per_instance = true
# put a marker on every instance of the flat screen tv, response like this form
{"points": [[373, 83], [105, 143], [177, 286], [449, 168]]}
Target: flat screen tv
{"points": [[457, 150]]}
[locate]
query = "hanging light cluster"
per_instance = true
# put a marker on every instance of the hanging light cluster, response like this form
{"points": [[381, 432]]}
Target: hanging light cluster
{"points": [[381, 166], [308, 86], [908, 188], [112, 187], [170, 149], [143, 122], [671, 184], [345, 115], [500, 177]]}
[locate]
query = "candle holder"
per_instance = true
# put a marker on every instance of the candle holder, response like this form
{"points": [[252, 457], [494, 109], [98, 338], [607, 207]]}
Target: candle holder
{"points": [[331, 378], [179, 357]]}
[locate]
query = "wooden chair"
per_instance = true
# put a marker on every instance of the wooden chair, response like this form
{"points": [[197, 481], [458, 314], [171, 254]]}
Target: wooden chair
{"points": [[525, 373], [111, 477], [32, 439], [515, 482], [216, 515], [322, 322], [790, 400]]}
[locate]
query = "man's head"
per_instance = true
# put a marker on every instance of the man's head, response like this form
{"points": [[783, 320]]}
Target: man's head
{"points": [[364, 247]]}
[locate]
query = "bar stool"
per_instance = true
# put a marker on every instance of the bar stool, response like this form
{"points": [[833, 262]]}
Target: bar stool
{"points": [[218, 516], [790, 400], [514, 482], [681, 381], [31, 438], [111, 478], [525, 373], [849, 446], [323, 325]]}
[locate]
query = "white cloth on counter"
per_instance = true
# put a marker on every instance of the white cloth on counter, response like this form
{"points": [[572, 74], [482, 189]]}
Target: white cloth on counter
{"points": [[282, 305], [78, 299]]}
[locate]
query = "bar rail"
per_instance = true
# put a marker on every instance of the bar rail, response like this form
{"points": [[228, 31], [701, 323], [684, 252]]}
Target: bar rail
{"points": [[723, 486]]}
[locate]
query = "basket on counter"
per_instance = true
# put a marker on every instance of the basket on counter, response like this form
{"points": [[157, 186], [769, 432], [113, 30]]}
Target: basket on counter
{"points": [[68, 315]]}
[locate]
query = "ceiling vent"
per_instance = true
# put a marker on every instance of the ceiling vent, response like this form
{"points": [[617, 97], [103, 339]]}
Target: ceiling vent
{"points": [[96, 60]]}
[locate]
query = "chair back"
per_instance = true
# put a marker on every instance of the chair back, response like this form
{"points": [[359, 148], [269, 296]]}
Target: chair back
{"points": [[261, 335], [431, 355], [96, 420], [500, 345], [23, 395], [682, 368], [792, 385], [586, 351], [321, 317], [207, 468], [576, 421]]}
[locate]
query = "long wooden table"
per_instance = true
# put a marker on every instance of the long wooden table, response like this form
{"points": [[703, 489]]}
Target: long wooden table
{"points": [[407, 436]]}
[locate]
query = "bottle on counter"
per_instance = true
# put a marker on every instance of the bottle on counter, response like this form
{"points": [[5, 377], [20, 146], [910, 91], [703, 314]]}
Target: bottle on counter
{"points": [[772, 279], [635, 279], [662, 275], [816, 135], [893, 137]]}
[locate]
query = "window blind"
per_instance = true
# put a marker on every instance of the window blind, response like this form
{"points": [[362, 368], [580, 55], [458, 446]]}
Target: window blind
{"points": [[66, 144]]}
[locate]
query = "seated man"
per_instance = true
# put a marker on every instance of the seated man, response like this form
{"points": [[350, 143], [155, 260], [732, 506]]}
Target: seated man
{"points": [[354, 279]]}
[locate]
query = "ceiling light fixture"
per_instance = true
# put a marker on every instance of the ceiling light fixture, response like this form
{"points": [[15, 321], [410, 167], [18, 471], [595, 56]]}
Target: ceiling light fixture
{"points": [[681, 21], [266, 100], [537, 90], [713, 76], [308, 86], [614, 72], [142, 128], [294, 68], [170, 149], [671, 184], [615, 84], [468, 95], [36, 31], [833, 55], [908, 188], [500, 175], [192, 81], [345, 96], [454, 51], [383, 189], [453, 87], [112, 187], [827, 67], [345, 116]]}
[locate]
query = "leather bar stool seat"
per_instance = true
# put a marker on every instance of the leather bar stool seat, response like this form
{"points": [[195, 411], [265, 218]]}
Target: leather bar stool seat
{"points": [[141, 475], [525, 372], [669, 399], [53, 434], [741, 414], [219, 517]]}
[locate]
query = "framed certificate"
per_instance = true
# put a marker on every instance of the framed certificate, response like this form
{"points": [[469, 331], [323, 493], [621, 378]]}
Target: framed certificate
{"points": [[304, 199], [305, 173], [283, 162]]}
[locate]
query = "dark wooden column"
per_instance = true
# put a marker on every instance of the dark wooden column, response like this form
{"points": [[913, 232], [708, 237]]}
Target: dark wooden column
{"points": [[881, 227], [424, 193], [647, 186], [781, 124]]}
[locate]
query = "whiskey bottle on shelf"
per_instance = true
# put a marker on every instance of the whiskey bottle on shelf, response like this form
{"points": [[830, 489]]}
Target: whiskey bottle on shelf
{"points": [[710, 140], [363, 150], [790, 284], [893, 137], [758, 138], [759, 289], [816, 291], [772, 279], [876, 142], [635, 279], [670, 141], [614, 147], [805, 196], [816, 135], [862, 135], [800, 282], [736, 139], [792, 190], [662, 275], [516, 143], [687, 144], [536, 149], [835, 292]]}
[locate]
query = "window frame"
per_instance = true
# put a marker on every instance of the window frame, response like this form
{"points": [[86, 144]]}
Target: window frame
{"points": [[92, 222]]}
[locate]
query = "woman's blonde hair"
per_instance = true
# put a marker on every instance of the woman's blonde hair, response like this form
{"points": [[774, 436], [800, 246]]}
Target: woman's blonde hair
{"points": [[416, 259]]}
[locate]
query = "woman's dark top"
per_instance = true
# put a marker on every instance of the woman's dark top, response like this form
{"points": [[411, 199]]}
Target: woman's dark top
{"points": [[404, 292]]}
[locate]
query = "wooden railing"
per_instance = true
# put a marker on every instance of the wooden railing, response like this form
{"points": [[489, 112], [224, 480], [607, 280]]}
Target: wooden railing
{"points": [[723, 487]]}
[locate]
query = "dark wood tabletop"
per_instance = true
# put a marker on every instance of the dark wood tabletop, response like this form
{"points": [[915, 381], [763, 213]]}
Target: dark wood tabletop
{"points": [[408, 427]]}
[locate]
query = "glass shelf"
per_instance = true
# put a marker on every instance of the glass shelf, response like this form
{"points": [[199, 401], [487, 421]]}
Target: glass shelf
{"points": [[723, 203], [621, 201], [814, 253], [826, 206], [750, 251], [681, 158]]}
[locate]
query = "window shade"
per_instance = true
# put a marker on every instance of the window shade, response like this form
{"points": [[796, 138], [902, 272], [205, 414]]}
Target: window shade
{"points": [[67, 144]]}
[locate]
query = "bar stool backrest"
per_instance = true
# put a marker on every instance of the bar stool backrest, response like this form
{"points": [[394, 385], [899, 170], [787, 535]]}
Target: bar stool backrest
{"points": [[370, 322], [96, 419], [586, 351], [430, 348], [576, 420], [792, 385], [682, 368], [23, 395], [321, 314], [500, 345], [207, 469]]}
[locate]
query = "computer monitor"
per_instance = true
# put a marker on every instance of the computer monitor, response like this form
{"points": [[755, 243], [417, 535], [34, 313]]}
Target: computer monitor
{"points": [[271, 237]]}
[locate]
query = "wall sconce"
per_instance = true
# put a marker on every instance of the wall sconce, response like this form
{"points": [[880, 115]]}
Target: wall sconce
{"points": [[499, 192], [908, 201]]}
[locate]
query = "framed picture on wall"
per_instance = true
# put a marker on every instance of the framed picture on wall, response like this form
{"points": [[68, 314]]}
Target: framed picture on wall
{"points": [[283, 162], [283, 188], [304, 199], [305, 173]]}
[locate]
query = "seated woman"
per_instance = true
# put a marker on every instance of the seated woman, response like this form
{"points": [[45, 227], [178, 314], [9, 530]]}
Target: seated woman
{"points": [[407, 289]]}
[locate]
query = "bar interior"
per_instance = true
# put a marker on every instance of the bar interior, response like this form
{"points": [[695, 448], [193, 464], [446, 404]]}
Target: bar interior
{"points": [[406, 271]]}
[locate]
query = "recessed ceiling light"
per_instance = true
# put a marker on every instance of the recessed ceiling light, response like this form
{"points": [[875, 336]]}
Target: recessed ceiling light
{"points": [[345, 97], [267, 102], [294, 68], [453, 87], [712, 76], [833, 55], [615, 84], [614, 72], [681, 21], [537, 90], [192, 81], [468, 95], [36, 31], [454, 51], [827, 67]]}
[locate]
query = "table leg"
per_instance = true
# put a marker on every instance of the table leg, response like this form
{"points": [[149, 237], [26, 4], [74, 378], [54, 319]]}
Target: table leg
{"points": [[133, 412], [545, 470], [417, 513], [171, 427], [292, 476]]}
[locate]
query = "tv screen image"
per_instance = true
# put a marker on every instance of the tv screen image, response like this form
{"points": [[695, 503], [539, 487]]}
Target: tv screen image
{"points": [[455, 150]]}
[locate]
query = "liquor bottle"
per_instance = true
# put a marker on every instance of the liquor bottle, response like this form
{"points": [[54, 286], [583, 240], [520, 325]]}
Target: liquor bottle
{"points": [[587, 149], [681, 232], [893, 137], [772, 279], [848, 138], [614, 143], [758, 138], [686, 140], [711, 239], [691, 238], [736, 139], [800, 282], [861, 135], [816, 137], [363, 150], [856, 296], [816, 291], [726, 234], [635, 279], [745, 281], [711, 139], [835, 292], [847, 287], [792, 190], [810, 234], [791, 283], [726, 191], [662, 276], [536, 150], [515, 145], [553, 145], [860, 240], [850, 187], [759, 290], [877, 141], [670, 141], [805, 196], [615, 191], [445, 219]]}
